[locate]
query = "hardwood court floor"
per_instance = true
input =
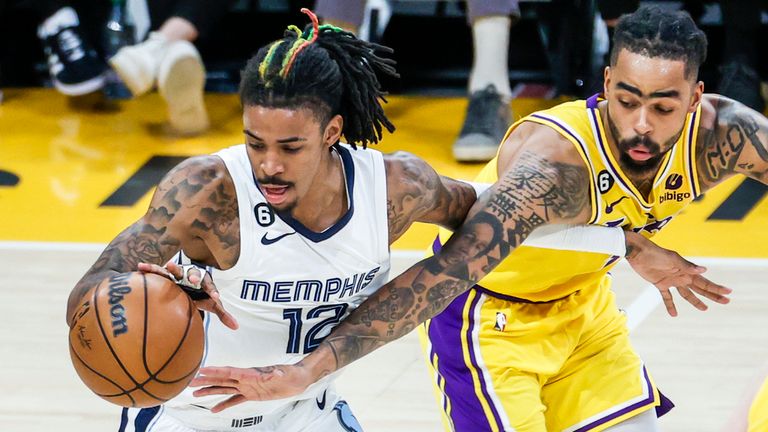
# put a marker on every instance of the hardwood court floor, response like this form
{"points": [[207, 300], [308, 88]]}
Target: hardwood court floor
{"points": [[59, 168], [703, 361]]}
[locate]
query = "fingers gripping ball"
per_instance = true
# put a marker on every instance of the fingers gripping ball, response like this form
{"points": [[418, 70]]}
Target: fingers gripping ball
{"points": [[136, 340]]}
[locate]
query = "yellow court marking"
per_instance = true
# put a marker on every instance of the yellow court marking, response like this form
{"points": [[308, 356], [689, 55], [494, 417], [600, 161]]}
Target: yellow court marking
{"points": [[68, 162]]}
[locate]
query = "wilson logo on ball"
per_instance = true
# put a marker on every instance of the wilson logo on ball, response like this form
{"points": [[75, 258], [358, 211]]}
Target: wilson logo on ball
{"points": [[118, 288]]}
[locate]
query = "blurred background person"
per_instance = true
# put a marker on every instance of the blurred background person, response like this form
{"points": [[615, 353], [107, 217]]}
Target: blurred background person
{"points": [[488, 113], [167, 60]]}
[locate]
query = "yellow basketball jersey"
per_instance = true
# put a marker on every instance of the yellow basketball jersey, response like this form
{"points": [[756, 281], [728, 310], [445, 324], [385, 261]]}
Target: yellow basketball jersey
{"points": [[539, 274], [758, 411]]}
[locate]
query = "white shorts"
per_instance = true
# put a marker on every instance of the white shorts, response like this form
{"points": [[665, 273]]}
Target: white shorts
{"points": [[328, 413]]}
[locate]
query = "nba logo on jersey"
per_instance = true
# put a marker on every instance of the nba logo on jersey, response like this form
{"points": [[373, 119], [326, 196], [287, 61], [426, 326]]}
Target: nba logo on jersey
{"points": [[501, 321]]}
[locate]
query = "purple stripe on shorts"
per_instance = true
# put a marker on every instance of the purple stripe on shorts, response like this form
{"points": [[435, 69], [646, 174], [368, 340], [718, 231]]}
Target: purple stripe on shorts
{"points": [[445, 337], [623, 411], [666, 405], [440, 380], [446, 341], [473, 359], [440, 384]]}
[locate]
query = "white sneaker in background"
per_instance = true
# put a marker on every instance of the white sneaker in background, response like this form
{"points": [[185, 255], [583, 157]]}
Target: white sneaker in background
{"points": [[181, 82], [138, 65], [177, 70]]}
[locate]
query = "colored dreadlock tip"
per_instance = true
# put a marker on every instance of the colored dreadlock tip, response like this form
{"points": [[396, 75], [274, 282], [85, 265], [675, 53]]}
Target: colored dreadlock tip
{"points": [[295, 29], [332, 28], [315, 24], [300, 44]]}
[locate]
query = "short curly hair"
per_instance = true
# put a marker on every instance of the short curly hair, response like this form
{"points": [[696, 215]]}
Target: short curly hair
{"points": [[654, 32]]}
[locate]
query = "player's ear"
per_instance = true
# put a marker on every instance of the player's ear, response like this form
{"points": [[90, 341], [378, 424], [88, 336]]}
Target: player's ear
{"points": [[333, 129], [698, 91]]}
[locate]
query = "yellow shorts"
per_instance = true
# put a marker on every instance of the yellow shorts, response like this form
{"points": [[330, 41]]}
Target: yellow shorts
{"points": [[758, 411], [565, 365]]}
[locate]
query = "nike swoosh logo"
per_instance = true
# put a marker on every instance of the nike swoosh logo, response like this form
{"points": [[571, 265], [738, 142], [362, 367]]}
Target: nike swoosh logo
{"points": [[609, 207], [268, 241], [321, 403]]}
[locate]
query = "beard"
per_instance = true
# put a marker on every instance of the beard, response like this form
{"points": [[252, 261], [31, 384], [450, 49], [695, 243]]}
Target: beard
{"points": [[285, 208], [637, 167]]}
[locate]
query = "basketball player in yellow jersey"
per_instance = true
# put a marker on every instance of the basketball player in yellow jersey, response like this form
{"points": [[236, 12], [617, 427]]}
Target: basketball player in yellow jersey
{"points": [[531, 339], [757, 419], [757, 416], [752, 414]]}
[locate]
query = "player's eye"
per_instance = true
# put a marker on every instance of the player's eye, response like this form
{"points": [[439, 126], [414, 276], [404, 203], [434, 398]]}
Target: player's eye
{"points": [[626, 104]]}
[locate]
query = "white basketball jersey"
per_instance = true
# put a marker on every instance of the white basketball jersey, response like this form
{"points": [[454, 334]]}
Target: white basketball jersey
{"points": [[292, 286]]}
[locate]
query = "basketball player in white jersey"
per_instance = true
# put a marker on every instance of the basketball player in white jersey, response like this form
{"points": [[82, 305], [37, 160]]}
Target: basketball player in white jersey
{"points": [[294, 226]]}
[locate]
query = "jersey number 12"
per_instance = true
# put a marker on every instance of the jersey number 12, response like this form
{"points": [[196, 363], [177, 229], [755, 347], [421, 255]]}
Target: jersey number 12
{"points": [[311, 340]]}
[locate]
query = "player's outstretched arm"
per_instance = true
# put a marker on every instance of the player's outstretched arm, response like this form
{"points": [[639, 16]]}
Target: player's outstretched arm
{"points": [[667, 270], [417, 193], [546, 184], [733, 139], [191, 198], [540, 186]]}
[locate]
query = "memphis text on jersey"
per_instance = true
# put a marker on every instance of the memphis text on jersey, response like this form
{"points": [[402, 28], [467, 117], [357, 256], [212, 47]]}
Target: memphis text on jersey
{"points": [[308, 290]]}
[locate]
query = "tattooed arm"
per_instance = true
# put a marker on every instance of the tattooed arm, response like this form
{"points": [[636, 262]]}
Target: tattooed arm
{"points": [[543, 181], [416, 193], [194, 208], [733, 139]]}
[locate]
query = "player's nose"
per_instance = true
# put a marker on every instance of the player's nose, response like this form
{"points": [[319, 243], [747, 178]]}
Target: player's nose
{"points": [[271, 164], [642, 126]]}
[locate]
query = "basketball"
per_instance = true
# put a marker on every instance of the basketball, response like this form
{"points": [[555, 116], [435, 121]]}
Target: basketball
{"points": [[136, 340]]}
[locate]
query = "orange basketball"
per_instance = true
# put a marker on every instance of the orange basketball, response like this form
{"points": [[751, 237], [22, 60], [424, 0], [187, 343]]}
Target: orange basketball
{"points": [[136, 340]]}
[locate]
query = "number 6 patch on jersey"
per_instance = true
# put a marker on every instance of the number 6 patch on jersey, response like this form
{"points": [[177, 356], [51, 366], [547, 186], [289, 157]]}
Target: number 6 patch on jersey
{"points": [[264, 214], [604, 181]]}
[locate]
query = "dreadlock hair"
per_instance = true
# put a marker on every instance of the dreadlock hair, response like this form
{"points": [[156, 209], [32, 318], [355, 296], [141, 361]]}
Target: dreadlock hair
{"points": [[652, 32], [326, 70]]}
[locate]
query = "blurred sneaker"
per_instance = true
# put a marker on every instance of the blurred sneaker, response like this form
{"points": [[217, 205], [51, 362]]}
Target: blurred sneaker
{"points": [[177, 70], [742, 83], [138, 65], [181, 82], [74, 65], [487, 119]]}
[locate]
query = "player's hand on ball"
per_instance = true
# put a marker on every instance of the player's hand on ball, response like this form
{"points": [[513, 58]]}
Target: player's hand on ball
{"points": [[251, 384], [210, 302], [666, 269]]}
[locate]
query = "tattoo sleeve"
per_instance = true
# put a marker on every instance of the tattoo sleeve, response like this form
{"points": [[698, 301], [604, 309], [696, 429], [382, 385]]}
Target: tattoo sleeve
{"points": [[190, 199], [738, 143], [416, 193], [534, 191]]}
